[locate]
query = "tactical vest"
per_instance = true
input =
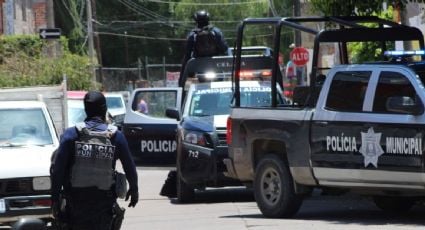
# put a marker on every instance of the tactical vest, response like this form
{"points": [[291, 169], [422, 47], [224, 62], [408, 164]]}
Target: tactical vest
{"points": [[205, 42], [93, 158]]}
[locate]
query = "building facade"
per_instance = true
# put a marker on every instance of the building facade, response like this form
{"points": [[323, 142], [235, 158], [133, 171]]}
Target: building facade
{"points": [[22, 16]]}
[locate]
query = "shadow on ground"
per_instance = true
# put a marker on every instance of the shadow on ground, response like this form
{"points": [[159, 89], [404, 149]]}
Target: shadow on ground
{"points": [[221, 195], [350, 210]]}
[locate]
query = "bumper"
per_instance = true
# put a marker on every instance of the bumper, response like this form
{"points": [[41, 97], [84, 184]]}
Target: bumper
{"points": [[15, 207], [204, 166], [230, 168]]}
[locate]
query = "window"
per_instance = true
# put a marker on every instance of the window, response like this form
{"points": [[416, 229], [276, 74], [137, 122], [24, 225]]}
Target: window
{"points": [[347, 91], [391, 84], [154, 103], [24, 127]]}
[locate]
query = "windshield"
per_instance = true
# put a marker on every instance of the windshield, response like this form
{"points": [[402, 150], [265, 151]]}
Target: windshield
{"points": [[76, 112], [21, 127], [216, 101], [114, 103]]}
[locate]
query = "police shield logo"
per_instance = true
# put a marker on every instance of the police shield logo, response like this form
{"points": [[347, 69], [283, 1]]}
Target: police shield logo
{"points": [[371, 149]]}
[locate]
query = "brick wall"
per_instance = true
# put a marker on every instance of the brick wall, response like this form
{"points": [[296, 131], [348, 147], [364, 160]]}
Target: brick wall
{"points": [[40, 14]]}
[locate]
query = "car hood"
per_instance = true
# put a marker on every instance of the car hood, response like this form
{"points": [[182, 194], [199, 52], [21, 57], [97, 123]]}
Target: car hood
{"points": [[205, 124], [25, 161], [115, 112]]}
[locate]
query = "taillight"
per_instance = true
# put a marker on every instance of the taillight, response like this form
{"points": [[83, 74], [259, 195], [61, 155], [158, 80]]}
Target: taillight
{"points": [[229, 131], [46, 202], [246, 74], [266, 73]]}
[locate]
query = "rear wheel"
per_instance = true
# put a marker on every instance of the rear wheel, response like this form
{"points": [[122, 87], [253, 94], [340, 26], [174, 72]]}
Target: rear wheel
{"points": [[394, 204], [185, 193], [274, 188]]}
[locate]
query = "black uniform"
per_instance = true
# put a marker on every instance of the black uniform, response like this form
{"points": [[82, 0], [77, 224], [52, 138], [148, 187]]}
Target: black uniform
{"points": [[91, 207], [202, 20]]}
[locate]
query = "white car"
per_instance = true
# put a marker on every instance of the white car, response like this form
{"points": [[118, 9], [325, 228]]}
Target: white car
{"points": [[116, 108], [27, 141], [115, 103]]}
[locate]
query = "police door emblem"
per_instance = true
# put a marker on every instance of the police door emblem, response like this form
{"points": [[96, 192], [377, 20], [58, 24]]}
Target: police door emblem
{"points": [[371, 149]]}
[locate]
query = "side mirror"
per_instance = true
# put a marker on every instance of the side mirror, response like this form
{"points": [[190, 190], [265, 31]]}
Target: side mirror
{"points": [[406, 105], [173, 113]]}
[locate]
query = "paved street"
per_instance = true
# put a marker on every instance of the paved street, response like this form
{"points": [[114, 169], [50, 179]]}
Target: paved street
{"points": [[235, 209]]}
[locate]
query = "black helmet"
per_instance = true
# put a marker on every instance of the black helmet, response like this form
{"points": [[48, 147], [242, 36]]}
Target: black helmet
{"points": [[201, 17]]}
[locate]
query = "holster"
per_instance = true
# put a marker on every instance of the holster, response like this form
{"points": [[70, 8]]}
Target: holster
{"points": [[117, 216]]}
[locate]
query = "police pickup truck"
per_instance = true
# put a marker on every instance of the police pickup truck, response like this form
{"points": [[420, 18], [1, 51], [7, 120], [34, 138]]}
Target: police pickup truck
{"points": [[201, 135], [359, 129], [150, 133]]}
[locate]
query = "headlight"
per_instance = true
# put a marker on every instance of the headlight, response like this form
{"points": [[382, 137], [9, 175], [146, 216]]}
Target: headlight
{"points": [[196, 138], [41, 183]]}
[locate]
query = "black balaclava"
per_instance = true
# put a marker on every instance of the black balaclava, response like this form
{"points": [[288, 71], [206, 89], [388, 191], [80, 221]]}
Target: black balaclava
{"points": [[95, 104]]}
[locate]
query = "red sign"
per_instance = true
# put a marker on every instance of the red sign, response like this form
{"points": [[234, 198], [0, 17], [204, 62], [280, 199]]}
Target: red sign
{"points": [[299, 55]]}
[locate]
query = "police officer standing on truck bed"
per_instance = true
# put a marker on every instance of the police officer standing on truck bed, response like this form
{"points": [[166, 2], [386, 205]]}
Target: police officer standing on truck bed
{"points": [[203, 41], [84, 169]]}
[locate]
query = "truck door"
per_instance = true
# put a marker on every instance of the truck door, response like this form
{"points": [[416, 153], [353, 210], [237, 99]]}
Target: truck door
{"points": [[150, 134], [366, 137]]}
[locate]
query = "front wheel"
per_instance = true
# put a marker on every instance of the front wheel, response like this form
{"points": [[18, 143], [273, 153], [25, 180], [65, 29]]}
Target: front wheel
{"points": [[274, 188]]}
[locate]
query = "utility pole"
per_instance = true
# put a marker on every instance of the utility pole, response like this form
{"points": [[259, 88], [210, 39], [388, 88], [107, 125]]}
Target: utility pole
{"points": [[90, 41], [50, 18], [297, 13], [50, 14], [97, 41]]}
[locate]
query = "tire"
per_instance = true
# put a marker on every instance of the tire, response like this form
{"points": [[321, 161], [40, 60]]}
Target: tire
{"points": [[394, 204], [274, 189], [185, 193]]}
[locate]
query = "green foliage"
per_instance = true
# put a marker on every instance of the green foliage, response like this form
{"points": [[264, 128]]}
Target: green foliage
{"points": [[361, 52], [354, 7], [24, 62], [70, 16]]}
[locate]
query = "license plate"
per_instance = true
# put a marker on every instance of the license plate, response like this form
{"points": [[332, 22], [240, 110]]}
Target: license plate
{"points": [[2, 206]]}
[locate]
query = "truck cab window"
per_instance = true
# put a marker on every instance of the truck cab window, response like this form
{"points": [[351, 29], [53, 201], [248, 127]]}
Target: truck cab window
{"points": [[154, 103], [347, 91], [391, 84]]}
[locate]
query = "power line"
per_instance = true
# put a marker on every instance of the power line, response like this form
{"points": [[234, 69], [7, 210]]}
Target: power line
{"points": [[174, 39], [206, 4]]}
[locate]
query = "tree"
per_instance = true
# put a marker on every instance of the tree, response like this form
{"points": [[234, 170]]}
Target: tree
{"points": [[355, 7], [69, 15]]}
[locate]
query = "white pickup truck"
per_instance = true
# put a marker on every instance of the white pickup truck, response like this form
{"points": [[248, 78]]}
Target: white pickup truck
{"points": [[27, 140]]}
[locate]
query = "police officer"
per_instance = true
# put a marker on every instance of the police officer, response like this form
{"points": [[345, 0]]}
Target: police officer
{"points": [[202, 20], [83, 171]]}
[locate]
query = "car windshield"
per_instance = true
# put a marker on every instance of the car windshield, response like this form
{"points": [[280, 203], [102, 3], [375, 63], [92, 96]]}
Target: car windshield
{"points": [[114, 103], [21, 127], [216, 101], [76, 112]]}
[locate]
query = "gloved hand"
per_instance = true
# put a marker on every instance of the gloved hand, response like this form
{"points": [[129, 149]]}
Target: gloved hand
{"points": [[134, 194]]}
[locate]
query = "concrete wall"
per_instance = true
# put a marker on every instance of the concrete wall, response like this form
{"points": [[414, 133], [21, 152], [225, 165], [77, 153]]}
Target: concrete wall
{"points": [[22, 16]]}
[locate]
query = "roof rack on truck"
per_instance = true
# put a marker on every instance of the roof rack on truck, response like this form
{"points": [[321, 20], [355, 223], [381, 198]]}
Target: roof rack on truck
{"points": [[339, 30]]}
